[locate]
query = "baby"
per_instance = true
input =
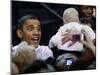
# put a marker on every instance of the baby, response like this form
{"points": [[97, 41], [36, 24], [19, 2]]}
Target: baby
{"points": [[71, 23]]}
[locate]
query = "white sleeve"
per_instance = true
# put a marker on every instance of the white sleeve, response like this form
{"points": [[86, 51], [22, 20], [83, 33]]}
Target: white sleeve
{"points": [[55, 41], [44, 53], [90, 32], [22, 47], [52, 42], [14, 51]]}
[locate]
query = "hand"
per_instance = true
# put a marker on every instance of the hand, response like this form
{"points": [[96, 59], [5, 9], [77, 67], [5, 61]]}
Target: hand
{"points": [[68, 36], [88, 42]]}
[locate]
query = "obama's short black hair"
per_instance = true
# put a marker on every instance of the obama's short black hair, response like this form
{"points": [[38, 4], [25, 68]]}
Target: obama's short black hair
{"points": [[24, 18]]}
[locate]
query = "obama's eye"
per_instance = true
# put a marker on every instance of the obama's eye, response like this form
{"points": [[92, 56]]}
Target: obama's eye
{"points": [[39, 28], [30, 28]]}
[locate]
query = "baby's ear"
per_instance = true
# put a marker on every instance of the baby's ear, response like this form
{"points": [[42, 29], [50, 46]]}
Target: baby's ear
{"points": [[20, 33]]}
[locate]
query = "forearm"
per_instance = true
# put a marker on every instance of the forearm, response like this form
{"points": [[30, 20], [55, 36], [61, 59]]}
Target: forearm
{"points": [[82, 62], [88, 55], [93, 48]]}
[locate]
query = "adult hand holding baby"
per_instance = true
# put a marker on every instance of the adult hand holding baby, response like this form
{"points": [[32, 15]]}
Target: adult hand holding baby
{"points": [[71, 35], [88, 42]]}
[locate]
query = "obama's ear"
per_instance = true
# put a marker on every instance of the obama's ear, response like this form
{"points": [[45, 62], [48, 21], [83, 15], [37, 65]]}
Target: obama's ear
{"points": [[20, 33]]}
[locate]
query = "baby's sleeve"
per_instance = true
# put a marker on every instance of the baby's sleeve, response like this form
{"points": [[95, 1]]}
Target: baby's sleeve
{"points": [[52, 42], [90, 32], [44, 53]]}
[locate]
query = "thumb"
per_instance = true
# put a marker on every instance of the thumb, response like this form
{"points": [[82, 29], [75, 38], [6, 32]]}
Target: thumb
{"points": [[83, 42]]}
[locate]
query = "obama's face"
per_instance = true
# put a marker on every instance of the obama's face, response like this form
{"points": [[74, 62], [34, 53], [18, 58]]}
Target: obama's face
{"points": [[31, 32]]}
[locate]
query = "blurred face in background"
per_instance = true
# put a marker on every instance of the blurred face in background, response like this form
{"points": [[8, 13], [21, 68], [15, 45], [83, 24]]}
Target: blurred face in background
{"points": [[86, 11], [31, 32]]}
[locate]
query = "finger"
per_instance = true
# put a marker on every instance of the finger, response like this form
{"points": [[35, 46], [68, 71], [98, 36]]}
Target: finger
{"points": [[64, 37], [71, 44], [83, 42], [68, 30], [86, 44], [85, 34], [65, 33], [65, 40]]}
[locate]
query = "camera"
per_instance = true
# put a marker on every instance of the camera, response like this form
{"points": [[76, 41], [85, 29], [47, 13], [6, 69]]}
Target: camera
{"points": [[78, 37], [69, 61]]}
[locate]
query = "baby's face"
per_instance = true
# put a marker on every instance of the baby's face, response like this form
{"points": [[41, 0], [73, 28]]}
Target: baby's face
{"points": [[31, 32]]}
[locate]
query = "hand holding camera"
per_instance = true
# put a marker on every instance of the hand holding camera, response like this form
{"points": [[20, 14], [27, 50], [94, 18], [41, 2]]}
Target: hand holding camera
{"points": [[72, 35]]}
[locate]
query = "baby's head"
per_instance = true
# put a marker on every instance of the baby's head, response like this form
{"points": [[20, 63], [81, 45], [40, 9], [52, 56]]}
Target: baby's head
{"points": [[29, 30], [24, 57], [70, 15]]}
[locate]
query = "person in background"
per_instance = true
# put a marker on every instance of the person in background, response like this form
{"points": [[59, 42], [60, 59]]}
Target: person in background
{"points": [[88, 12]]}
